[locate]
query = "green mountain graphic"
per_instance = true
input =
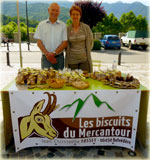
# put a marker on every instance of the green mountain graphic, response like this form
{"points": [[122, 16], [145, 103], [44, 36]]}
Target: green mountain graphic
{"points": [[81, 103]]}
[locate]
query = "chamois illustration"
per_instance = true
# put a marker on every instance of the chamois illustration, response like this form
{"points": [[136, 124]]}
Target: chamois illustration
{"points": [[39, 122]]}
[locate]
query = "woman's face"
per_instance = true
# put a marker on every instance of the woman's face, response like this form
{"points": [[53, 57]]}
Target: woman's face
{"points": [[75, 16]]}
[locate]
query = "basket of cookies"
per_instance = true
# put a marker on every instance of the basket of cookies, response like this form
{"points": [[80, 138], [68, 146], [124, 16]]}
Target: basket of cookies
{"points": [[55, 82]]}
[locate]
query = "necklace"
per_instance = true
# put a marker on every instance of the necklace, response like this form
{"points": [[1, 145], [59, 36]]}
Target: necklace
{"points": [[75, 28]]}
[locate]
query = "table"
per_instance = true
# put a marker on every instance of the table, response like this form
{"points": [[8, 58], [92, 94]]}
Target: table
{"points": [[95, 85]]}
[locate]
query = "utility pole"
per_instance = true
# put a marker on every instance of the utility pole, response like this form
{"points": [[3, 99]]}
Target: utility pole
{"points": [[19, 33], [28, 38]]}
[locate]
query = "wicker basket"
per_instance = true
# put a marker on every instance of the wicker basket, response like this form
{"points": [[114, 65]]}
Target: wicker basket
{"points": [[55, 82]]}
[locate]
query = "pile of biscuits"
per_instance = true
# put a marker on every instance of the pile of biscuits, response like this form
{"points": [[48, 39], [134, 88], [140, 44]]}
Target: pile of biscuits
{"points": [[51, 78], [31, 76], [116, 79], [37, 78]]}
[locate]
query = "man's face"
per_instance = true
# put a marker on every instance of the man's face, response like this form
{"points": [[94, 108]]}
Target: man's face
{"points": [[54, 11]]}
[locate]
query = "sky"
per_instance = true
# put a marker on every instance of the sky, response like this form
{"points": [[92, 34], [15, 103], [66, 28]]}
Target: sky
{"points": [[145, 2]]}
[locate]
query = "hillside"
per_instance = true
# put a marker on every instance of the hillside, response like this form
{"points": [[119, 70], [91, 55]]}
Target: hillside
{"points": [[38, 10], [119, 8]]}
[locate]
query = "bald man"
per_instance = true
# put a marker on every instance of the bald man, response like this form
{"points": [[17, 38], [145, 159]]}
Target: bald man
{"points": [[51, 36]]}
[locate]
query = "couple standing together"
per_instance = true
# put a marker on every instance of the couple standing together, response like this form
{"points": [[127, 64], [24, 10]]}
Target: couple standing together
{"points": [[53, 37]]}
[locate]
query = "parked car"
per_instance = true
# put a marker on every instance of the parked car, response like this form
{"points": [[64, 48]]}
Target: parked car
{"points": [[136, 39], [110, 41]]}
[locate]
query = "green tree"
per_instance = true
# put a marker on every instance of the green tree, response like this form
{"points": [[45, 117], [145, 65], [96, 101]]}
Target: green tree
{"points": [[6, 19], [130, 22], [109, 25], [68, 22], [23, 30], [31, 29], [9, 29], [141, 23], [12, 27], [114, 26], [127, 20]]}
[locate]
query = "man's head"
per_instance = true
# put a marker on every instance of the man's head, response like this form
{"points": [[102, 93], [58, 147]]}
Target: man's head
{"points": [[54, 11]]}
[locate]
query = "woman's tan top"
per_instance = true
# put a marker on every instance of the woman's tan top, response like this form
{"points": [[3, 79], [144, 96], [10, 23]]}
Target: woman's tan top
{"points": [[77, 47], [79, 51]]}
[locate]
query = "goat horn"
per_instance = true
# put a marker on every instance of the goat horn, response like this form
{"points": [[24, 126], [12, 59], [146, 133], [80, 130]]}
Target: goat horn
{"points": [[53, 104], [48, 105]]}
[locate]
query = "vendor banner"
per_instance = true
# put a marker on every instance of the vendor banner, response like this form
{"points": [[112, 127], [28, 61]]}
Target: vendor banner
{"points": [[75, 118]]}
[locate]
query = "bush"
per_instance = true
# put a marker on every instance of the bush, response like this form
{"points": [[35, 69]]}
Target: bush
{"points": [[97, 45], [91, 9]]}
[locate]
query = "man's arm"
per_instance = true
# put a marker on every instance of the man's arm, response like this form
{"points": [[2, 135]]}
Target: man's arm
{"points": [[64, 43], [49, 55], [61, 47], [42, 47]]}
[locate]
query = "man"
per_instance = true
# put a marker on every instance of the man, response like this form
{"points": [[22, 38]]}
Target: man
{"points": [[51, 36]]}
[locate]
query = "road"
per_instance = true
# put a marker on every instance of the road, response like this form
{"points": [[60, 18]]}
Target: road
{"points": [[135, 62], [106, 56], [127, 55]]}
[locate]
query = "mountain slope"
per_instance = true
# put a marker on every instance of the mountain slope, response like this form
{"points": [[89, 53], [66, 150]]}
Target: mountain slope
{"points": [[119, 8], [38, 11]]}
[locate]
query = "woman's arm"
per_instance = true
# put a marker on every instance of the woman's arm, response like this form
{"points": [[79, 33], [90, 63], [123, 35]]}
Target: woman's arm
{"points": [[67, 50], [91, 37]]}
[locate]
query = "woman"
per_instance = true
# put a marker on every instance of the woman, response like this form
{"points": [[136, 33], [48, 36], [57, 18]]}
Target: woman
{"points": [[80, 42]]}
